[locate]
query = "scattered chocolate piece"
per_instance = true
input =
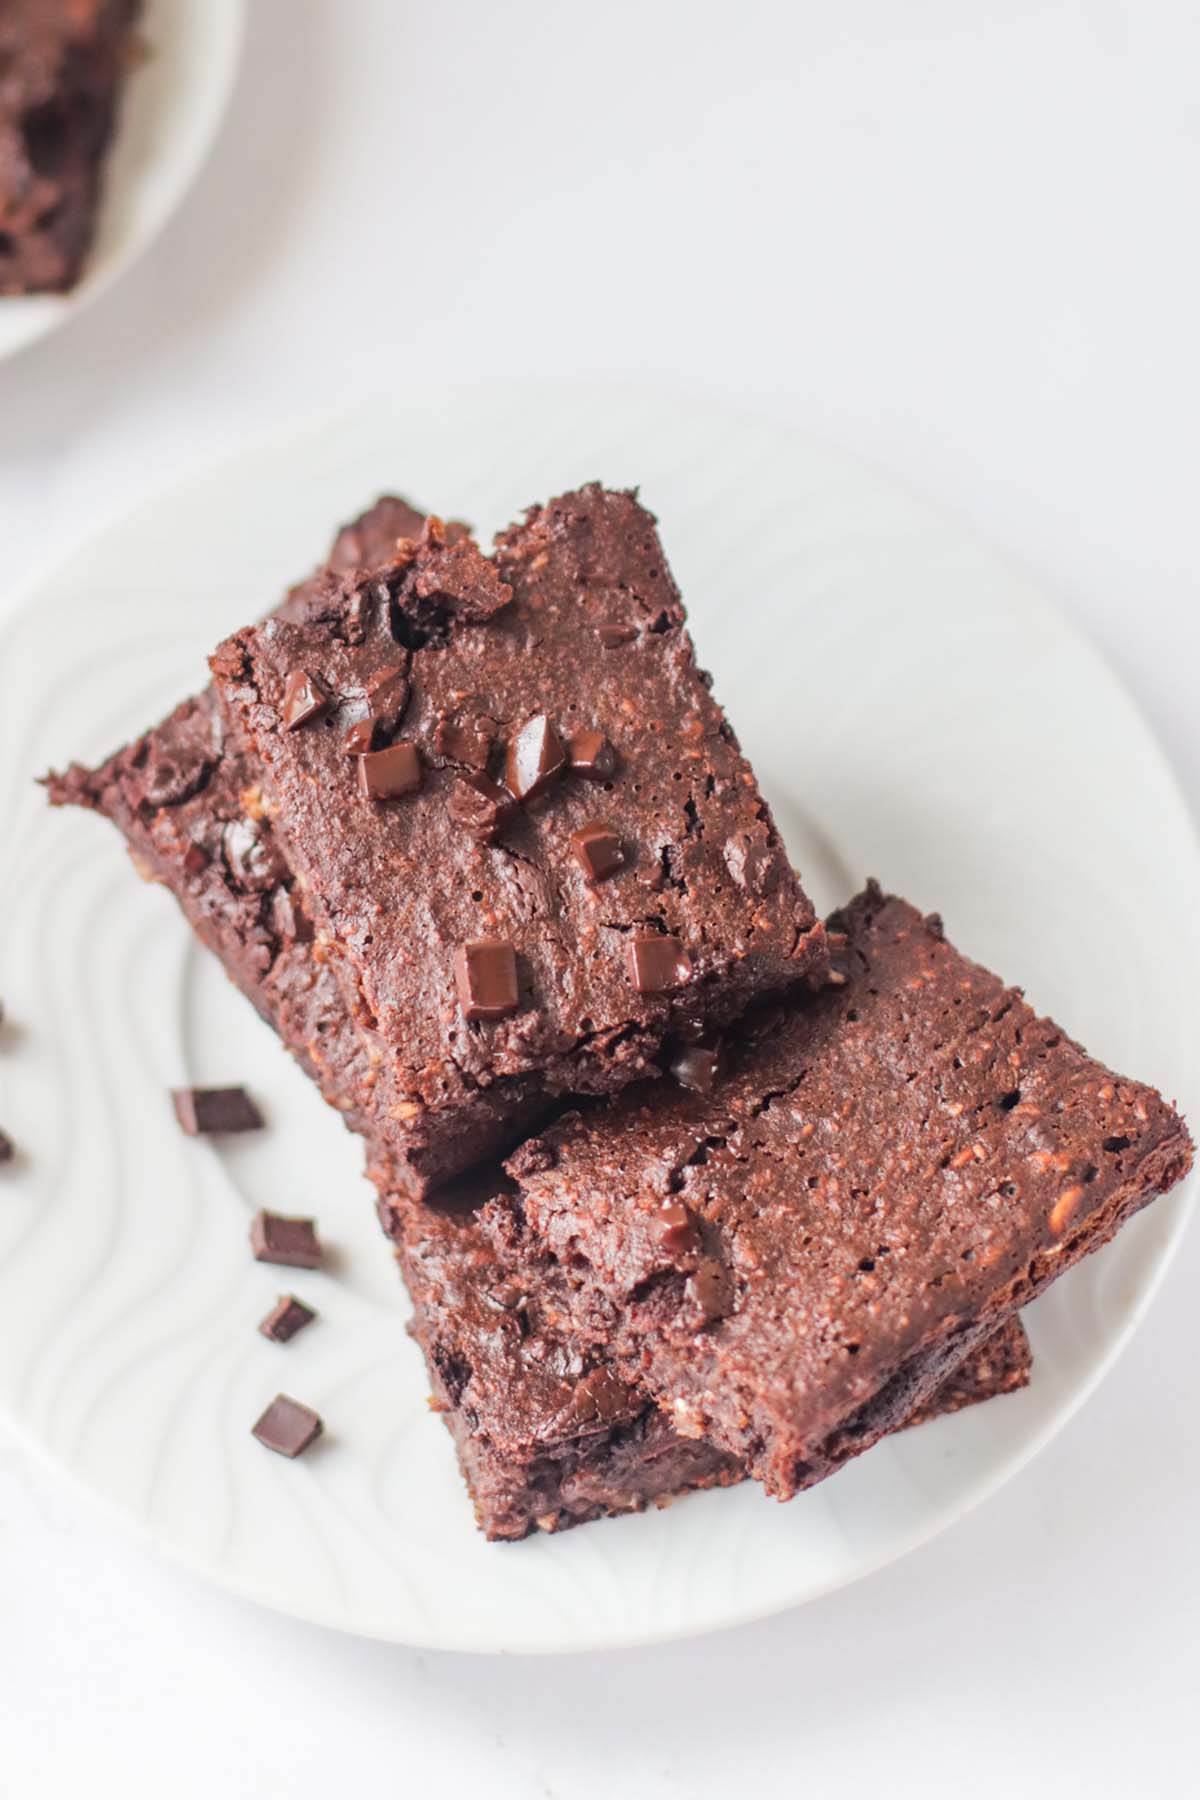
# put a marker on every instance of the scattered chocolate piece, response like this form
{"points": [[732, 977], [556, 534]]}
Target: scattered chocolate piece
{"points": [[390, 774], [7, 1148], [304, 699], [613, 636], [287, 1427], [485, 972], [195, 860], [481, 806], [466, 739], [657, 963], [675, 1229], [535, 757], [695, 1066], [598, 851], [286, 1318], [360, 738], [275, 1238], [205, 1111], [591, 755]]}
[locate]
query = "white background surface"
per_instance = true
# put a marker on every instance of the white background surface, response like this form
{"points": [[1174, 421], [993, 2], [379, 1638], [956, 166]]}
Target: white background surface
{"points": [[956, 236]]}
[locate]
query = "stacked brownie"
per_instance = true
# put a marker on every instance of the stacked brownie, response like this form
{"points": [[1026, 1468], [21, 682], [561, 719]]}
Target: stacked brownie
{"points": [[474, 837], [62, 65]]}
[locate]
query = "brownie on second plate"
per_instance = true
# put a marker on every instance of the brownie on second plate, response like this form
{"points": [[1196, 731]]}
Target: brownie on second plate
{"points": [[526, 835], [62, 63], [793, 1261]]}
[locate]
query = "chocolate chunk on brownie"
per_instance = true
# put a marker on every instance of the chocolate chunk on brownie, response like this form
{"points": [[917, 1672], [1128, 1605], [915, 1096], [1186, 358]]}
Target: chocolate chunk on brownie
{"points": [[656, 900], [62, 65], [792, 1262]]}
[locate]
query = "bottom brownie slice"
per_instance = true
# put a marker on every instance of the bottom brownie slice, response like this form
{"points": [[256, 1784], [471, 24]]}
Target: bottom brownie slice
{"points": [[549, 1435]]}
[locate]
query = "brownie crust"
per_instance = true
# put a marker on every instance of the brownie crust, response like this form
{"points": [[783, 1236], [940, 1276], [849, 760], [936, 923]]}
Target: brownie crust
{"points": [[792, 1263], [635, 884], [62, 64]]}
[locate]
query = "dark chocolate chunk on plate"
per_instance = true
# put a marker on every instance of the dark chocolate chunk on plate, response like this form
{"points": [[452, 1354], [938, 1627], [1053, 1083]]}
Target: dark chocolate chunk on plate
{"points": [[286, 1318], [205, 1111], [7, 1148], [288, 1427], [275, 1238]]}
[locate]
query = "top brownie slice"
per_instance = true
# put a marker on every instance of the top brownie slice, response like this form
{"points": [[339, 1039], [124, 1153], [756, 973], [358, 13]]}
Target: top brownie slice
{"points": [[61, 67], [790, 1262], [523, 827]]}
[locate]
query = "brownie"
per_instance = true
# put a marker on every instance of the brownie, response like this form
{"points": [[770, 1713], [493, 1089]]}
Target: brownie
{"points": [[549, 1434], [792, 1262], [62, 64], [527, 838]]}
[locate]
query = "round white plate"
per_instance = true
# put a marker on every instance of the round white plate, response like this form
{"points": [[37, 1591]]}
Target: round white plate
{"points": [[173, 103], [915, 710]]}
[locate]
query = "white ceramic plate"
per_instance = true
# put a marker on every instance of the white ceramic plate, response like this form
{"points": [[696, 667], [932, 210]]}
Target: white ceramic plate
{"points": [[916, 711], [173, 103]]}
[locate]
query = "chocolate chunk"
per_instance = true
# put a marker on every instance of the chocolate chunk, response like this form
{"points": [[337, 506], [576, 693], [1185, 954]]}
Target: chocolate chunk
{"points": [[275, 1238], [695, 1066], [709, 1290], [304, 699], [465, 739], [675, 1229], [485, 971], [360, 737], [657, 963], [598, 851], [613, 636], [286, 1318], [591, 755], [481, 807], [205, 1111], [387, 696], [535, 757], [7, 1148], [169, 782], [287, 1427], [390, 774], [195, 860], [252, 856], [592, 1405]]}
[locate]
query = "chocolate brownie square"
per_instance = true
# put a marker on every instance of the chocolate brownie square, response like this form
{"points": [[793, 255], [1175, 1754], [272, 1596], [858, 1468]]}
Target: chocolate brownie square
{"points": [[527, 838], [793, 1261], [62, 63], [549, 1434]]}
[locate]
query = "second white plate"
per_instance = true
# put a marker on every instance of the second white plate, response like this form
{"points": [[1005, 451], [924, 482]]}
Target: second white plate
{"points": [[916, 711]]}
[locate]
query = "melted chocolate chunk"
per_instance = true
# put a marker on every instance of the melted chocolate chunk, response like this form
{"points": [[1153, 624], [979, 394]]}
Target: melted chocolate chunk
{"points": [[288, 1427], [286, 1318], [535, 757], [277, 1239], [360, 738], [481, 807], [252, 855], [696, 1066], [709, 1290], [658, 962], [485, 972], [465, 739], [675, 1229], [204, 1112], [390, 774], [598, 851], [613, 636], [304, 699], [592, 756]]}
